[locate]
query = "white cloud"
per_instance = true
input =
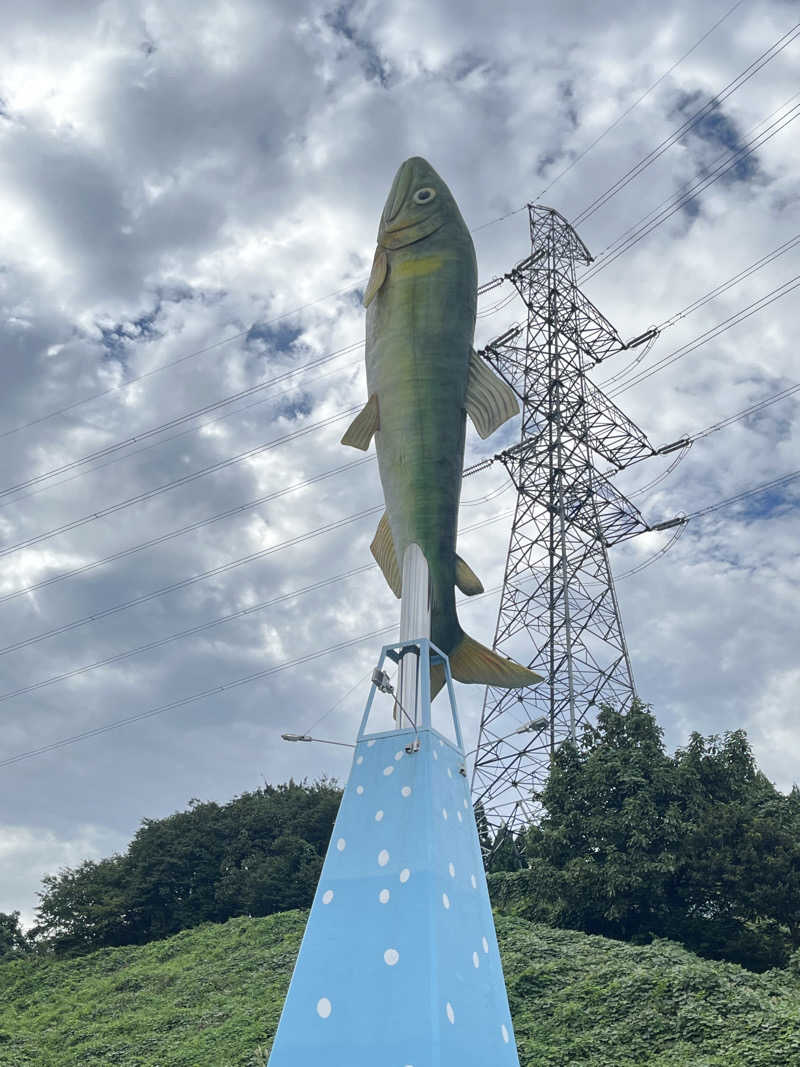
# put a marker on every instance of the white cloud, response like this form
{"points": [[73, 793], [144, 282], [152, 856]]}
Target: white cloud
{"points": [[28, 853], [173, 174]]}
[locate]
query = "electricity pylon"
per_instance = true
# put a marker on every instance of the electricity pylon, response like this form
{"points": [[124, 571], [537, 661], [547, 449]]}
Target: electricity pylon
{"points": [[559, 610]]}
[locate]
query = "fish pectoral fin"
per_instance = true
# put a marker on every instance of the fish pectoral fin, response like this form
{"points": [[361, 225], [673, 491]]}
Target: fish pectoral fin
{"points": [[382, 549], [473, 662], [360, 431], [490, 401], [466, 579], [377, 276]]}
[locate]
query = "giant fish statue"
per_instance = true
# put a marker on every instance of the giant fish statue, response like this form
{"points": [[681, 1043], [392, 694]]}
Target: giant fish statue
{"points": [[423, 378]]}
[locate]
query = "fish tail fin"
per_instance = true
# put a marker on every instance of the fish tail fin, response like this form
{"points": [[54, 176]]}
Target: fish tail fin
{"points": [[471, 661]]}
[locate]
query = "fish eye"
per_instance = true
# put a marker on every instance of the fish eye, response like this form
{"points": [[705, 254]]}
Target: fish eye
{"points": [[422, 196]]}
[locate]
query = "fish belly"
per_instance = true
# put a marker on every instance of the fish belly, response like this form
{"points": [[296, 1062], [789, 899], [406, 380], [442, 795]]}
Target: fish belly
{"points": [[418, 348]]}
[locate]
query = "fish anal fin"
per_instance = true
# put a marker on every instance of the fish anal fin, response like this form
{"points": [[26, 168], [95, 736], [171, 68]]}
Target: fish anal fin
{"points": [[490, 401], [377, 276], [363, 427], [437, 678], [382, 549], [473, 662], [466, 579]]}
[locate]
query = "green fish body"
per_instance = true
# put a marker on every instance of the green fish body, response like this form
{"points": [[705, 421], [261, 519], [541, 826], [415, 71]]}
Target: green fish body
{"points": [[423, 377]]}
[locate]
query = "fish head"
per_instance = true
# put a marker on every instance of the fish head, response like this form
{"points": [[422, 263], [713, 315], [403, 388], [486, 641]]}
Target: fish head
{"points": [[419, 204]]}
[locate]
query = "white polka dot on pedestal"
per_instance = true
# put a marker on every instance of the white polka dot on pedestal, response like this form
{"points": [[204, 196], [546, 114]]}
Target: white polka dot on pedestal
{"points": [[360, 789], [383, 896], [449, 773], [378, 816], [466, 805], [341, 844], [388, 770], [444, 814], [451, 868], [405, 874], [451, 1015], [323, 1007], [485, 944], [370, 744], [406, 791], [446, 901], [360, 760], [383, 857], [391, 956], [474, 881], [504, 1032], [441, 743], [327, 896], [398, 755], [435, 755], [476, 961], [458, 814]]}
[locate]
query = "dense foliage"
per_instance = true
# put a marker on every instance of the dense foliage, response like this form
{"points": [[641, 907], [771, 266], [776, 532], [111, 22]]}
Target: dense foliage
{"points": [[697, 846], [213, 995], [259, 854], [13, 939]]}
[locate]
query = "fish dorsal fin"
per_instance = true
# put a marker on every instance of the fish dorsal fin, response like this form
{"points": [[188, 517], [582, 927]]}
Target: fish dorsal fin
{"points": [[490, 401], [360, 431], [466, 578], [382, 548], [377, 276]]}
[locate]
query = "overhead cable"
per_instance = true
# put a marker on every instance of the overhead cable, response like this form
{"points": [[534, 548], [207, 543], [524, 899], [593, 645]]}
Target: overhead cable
{"points": [[221, 620], [212, 691], [710, 334], [236, 682], [741, 79], [679, 200]]}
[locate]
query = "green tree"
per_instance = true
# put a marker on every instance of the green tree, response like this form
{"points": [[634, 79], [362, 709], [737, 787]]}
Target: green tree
{"points": [[262, 852], [612, 827], [698, 846], [84, 908], [13, 939]]}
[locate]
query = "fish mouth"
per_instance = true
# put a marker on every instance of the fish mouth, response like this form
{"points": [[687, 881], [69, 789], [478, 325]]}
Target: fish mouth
{"points": [[400, 236], [398, 191]]}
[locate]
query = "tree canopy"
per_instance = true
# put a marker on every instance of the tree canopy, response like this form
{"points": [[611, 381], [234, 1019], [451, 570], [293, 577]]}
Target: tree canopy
{"points": [[698, 846], [258, 854]]}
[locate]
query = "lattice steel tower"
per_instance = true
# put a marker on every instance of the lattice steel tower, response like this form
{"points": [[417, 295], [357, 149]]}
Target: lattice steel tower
{"points": [[559, 610]]}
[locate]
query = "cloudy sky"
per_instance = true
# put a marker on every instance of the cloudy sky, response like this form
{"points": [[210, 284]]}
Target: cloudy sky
{"points": [[190, 194]]}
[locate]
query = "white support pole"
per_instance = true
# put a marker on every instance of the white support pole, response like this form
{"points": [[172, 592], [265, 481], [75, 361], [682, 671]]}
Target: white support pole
{"points": [[415, 623]]}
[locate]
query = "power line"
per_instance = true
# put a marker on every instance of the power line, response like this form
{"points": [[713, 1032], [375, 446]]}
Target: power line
{"points": [[614, 124], [638, 101], [784, 479], [672, 320], [723, 287], [297, 661], [354, 287], [675, 203], [213, 691], [169, 424], [171, 363], [159, 428], [188, 528], [174, 483], [741, 79], [222, 568], [219, 621], [711, 334]]}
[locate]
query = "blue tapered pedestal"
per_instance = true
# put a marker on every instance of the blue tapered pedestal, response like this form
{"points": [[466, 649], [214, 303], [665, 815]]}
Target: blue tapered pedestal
{"points": [[399, 965]]}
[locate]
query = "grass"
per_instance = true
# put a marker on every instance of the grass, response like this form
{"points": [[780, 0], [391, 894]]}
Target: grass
{"points": [[211, 997]]}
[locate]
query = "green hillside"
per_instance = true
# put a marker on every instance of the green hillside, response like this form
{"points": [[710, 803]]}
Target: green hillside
{"points": [[211, 997]]}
